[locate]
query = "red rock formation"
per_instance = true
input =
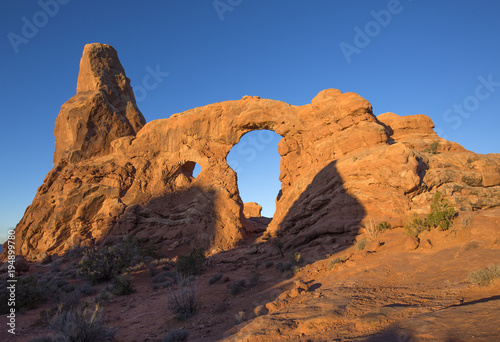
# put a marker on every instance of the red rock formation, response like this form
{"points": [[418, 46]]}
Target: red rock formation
{"points": [[339, 166]]}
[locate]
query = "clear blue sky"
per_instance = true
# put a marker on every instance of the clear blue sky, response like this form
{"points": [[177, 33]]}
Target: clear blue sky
{"points": [[429, 57]]}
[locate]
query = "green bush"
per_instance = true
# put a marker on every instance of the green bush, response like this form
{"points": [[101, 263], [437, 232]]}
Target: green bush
{"points": [[416, 225], [441, 213], [485, 276], [104, 264], [361, 244], [192, 263], [122, 286]]}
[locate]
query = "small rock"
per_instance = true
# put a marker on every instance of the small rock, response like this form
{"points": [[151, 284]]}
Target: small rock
{"points": [[260, 310], [411, 243], [425, 244]]}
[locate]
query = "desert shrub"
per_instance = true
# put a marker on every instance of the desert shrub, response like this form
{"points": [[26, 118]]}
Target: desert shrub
{"points": [[68, 301], [441, 213], [73, 253], [432, 148], [279, 246], [296, 258], [153, 271], [268, 264], [103, 264], [103, 297], [182, 303], [239, 318], [361, 244], [336, 261], [167, 283], [215, 278], [176, 335], [122, 286], [159, 278], [192, 263], [416, 225], [31, 292], [87, 289], [485, 276], [83, 324], [254, 279], [148, 249], [237, 287], [283, 267], [373, 229]]}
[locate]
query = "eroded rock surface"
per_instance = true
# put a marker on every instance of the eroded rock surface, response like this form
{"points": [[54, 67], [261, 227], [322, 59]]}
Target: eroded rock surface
{"points": [[115, 176]]}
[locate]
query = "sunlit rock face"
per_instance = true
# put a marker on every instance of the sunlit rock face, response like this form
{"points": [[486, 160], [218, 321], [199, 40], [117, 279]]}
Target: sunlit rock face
{"points": [[116, 176]]}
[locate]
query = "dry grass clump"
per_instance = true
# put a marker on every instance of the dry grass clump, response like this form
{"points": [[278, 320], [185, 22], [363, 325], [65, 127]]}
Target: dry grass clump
{"points": [[485, 276]]}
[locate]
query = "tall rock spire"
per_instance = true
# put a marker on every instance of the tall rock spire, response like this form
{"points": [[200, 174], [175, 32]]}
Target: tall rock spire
{"points": [[102, 110]]}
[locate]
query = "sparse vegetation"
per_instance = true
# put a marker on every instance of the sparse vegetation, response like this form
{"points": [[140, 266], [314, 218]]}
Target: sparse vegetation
{"points": [[81, 324], [254, 279], [103, 264], [416, 225], [122, 286], [192, 263], [336, 261], [268, 264], [176, 335], [182, 303], [31, 292], [373, 229], [239, 318], [433, 148], [296, 258], [485, 276], [361, 244], [237, 287], [279, 246], [441, 214], [103, 297], [215, 278]]}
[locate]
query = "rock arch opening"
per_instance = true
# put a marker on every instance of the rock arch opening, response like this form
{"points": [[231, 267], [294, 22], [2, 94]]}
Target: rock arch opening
{"points": [[256, 161], [191, 169]]}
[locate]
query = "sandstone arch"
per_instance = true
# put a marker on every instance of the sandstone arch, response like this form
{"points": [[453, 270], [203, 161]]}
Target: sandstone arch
{"points": [[114, 175]]}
